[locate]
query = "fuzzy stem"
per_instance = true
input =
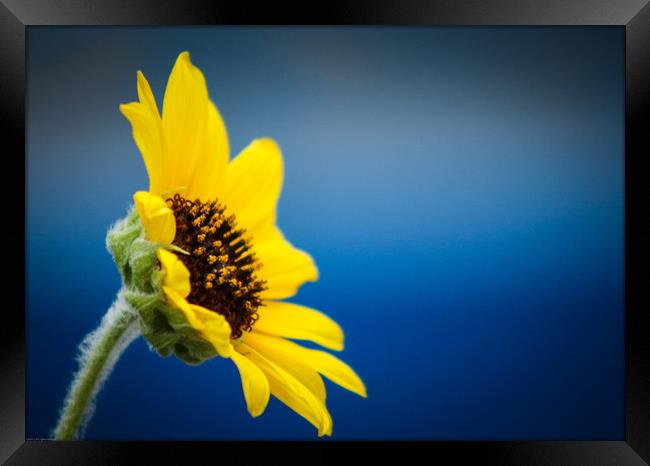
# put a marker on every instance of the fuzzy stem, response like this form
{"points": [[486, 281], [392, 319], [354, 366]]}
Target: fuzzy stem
{"points": [[99, 352]]}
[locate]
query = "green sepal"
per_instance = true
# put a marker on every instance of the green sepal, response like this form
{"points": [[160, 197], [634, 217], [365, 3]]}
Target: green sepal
{"points": [[119, 239], [168, 332], [143, 261]]}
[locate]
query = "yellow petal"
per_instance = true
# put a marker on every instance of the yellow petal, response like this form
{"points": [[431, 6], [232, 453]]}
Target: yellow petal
{"points": [[215, 329], [176, 275], [291, 392], [157, 218], [284, 267], [180, 303], [318, 417], [326, 364], [252, 184], [211, 326], [254, 383], [281, 355], [147, 133], [299, 322], [146, 96], [212, 159], [331, 367], [195, 136]]}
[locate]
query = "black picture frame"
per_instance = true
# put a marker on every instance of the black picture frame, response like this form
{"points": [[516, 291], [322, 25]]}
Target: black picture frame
{"points": [[633, 15]]}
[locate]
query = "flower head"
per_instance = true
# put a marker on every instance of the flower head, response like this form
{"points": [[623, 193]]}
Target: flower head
{"points": [[205, 263]]}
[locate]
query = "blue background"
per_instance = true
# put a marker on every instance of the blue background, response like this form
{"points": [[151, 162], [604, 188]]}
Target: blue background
{"points": [[461, 190]]}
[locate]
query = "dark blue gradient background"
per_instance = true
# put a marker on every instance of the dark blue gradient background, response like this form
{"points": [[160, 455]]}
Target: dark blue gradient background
{"points": [[461, 190]]}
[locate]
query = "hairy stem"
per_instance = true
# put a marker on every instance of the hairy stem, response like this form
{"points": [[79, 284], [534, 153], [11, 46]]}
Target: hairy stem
{"points": [[99, 352]]}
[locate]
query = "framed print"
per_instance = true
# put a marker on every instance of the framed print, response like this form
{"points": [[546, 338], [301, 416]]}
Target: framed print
{"points": [[371, 227]]}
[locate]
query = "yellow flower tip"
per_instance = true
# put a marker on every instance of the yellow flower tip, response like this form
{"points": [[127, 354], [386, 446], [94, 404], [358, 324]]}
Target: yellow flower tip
{"points": [[184, 56], [157, 218], [272, 148], [257, 411], [267, 143], [142, 82], [326, 426], [183, 60], [312, 274], [322, 433], [363, 393], [337, 343], [315, 275], [255, 385], [355, 384], [128, 110]]}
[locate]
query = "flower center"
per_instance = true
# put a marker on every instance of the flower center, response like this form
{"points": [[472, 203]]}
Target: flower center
{"points": [[221, 264]]}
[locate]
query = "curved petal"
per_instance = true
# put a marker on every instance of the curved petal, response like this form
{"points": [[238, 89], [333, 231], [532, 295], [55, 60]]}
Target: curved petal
{"points": [[180, 303], [284, 267], [299, 322], [252, 184], [212, 326], [326, 364], [176, 275], [157, 218], [254, 383], [291, 392], [215, 329], [278, 354], [147, 133], [195, 135]]}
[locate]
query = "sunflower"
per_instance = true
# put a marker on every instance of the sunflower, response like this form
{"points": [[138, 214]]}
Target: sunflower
{"points": [[225, 265]]}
